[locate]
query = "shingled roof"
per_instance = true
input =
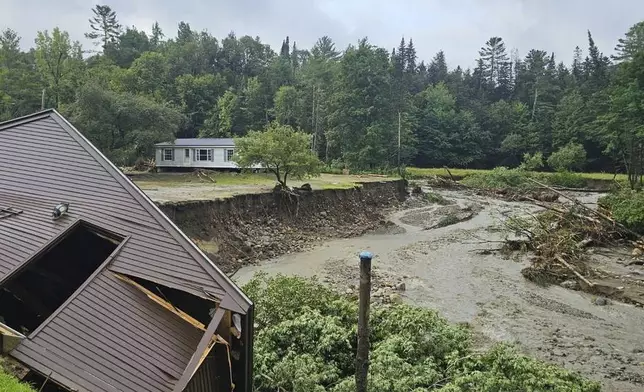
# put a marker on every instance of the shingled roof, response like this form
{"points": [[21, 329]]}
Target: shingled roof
{"points": [[108, 336]]}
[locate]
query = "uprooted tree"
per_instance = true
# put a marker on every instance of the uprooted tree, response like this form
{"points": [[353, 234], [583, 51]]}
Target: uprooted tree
{"points": [[281, 150]]}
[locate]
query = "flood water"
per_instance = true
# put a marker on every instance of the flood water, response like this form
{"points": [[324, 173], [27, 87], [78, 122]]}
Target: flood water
{"points": [[447, 269]]}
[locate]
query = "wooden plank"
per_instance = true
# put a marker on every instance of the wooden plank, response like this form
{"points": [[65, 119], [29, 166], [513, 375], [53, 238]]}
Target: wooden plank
{"points": [[204, 343], [167, 305]]}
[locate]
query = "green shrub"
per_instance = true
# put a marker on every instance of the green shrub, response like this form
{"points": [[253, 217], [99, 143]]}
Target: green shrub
{"points": [[500, 178], [532, 162], [627, 208], [569, 157], [503, 369], [306, 340]]}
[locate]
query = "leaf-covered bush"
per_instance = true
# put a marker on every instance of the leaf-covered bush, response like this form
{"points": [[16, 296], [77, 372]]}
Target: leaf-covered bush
{"points": [[532, 162], [627, 208], [306, 339], [569, 157]]}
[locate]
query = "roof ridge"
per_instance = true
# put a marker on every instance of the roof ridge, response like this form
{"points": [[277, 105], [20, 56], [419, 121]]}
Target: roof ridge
{"points": [[144, 200], [26, 119]]}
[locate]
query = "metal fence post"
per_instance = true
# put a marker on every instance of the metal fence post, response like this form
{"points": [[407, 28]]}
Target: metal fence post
{"points": [[362, 356]]}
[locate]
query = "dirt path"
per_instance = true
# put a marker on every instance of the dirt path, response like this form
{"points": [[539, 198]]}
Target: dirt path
{"points": [[448, 270]]}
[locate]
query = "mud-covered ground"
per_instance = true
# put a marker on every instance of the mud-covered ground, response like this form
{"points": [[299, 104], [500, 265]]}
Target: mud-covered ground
{"points": [[456, 270]]}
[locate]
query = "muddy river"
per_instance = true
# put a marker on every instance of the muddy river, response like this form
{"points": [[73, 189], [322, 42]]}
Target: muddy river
{"points": [[455, 271]]}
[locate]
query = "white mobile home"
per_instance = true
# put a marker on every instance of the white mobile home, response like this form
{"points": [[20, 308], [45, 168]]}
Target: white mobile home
{"points": [[196, 153]]}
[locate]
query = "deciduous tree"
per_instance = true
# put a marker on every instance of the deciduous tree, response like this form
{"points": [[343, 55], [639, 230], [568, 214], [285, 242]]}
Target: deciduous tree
{"points": [[279, 149]]}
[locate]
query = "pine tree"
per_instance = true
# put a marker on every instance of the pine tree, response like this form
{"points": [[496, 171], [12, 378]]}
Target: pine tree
{"points": [[596, 65], [410, 57], [578, 65], [286, 47], [295, 62], [438, 68], [185, 33], [105, 26], [324, 48], [494, 56], [632, 43], [157, 35], [401, 59]]}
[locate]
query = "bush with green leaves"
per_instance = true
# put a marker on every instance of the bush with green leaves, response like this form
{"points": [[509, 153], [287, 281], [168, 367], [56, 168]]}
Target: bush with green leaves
{"points": [[568, 158], [306, 339], [532, 162], [627, 208]]}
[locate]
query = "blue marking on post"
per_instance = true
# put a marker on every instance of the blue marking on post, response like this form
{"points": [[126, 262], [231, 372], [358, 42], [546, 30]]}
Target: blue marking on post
{"points": [[364, 256]]}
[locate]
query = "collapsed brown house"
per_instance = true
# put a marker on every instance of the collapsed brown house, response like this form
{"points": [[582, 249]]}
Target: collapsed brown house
{"points": [[109, 295]]}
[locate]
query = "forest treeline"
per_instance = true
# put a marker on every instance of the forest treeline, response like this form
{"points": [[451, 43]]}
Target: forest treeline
{"points": [[132, 89]]}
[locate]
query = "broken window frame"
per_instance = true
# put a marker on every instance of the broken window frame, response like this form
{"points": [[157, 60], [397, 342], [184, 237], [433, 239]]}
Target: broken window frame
{"points": [[95, 229]]}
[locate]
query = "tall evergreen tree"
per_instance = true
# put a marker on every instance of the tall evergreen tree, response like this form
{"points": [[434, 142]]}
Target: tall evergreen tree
{"points": [[325, 49], [410, 58], [157, 35], [104, 26], [438, 69], [286, 48], [578, 65], [632, 43], [494, 57]]}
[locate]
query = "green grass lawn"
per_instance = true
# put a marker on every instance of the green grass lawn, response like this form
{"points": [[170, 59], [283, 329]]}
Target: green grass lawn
{"points": [[190, 186], [324, 181], [416, 172]]}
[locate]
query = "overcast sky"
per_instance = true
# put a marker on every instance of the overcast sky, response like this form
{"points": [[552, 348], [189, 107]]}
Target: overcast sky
{"points": [[459, 27]]}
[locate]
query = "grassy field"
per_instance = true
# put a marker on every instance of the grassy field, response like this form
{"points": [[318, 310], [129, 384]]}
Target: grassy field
{"points": [[415, 172], [190, 186]]}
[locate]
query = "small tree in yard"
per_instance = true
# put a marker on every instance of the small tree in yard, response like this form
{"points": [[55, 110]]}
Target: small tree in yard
{"points": [[281, 150]]}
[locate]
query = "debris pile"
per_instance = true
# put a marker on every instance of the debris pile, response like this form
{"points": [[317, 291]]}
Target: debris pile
{"points": [[560, 237]]}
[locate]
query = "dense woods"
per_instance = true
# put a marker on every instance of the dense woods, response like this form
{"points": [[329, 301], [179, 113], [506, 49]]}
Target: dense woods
{"points": [[132, 89]]}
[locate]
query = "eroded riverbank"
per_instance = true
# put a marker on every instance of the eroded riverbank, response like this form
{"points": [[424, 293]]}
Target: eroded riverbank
{"points": [[454, 270]]}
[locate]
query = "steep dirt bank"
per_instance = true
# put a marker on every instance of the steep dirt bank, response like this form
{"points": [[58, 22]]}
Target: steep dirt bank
{"points": [[248, 228]]}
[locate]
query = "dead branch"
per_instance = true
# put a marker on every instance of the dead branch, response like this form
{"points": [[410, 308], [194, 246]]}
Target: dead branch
{"points": [[450, 173], [592, 211], [574, 271]]}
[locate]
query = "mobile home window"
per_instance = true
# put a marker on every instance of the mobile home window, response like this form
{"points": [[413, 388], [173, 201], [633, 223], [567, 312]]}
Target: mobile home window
{"points": [[187, 153], [168, 154], [204, 155], [228, 155]]}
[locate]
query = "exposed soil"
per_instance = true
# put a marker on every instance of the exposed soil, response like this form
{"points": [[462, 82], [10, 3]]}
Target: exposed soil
{"points": [[458, 271], [249, 228]]}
